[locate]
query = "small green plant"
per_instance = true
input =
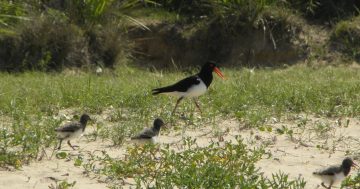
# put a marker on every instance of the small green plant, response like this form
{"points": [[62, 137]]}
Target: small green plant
{"points": [[24, 139], [351, 182], [322, 129], [62, 185], [285, 130], [215, 166], [281, 181], [255, 117]]}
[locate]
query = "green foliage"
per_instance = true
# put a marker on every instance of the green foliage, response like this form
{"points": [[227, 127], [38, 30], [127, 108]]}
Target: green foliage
{"points": [[346, 37], [108, 45], [10, 14], [63, 34], [95, 31], [87, 12], [24, 140], [35, 47], [241, 11], [351, 182], [281, 181], [217, 166], [230, 13], [62, 185]]}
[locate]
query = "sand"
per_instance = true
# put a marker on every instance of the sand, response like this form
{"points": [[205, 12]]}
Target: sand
{"points": [[298, 154]]}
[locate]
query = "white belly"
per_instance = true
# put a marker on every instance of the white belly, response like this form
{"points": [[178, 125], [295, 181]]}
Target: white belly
{"points": [[327, 179], [194, 91], [339, 177], [141, 142], [69, 135]]}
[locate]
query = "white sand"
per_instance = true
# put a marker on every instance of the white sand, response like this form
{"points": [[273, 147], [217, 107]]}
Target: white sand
{"points": [[287, 155]]}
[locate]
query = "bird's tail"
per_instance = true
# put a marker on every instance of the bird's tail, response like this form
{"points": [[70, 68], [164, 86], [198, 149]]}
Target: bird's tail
{"points": [[162, 90], [316, 173]]}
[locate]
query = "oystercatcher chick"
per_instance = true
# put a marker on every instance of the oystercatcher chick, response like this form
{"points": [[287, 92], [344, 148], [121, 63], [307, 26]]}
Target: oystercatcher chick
{"points": [[335, 174], [148, 135], [192, 86], [72, 130]]}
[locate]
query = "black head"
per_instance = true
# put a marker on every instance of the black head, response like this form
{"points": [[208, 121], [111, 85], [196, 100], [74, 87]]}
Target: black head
{"points": [[84, 119], [209, 67], [158, 123], [347, 164]]}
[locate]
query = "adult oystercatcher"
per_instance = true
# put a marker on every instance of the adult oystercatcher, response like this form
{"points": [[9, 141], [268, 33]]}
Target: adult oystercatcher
{"points": [[192, 86], [149, 134], [72, 130], [335, 174]]}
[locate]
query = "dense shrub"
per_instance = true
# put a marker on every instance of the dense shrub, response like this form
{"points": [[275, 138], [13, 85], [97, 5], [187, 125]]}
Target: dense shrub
{"points": [[108, 45], [45, 43], [187, 7], [326, 10], [246, 11], [346, 38], [81, 12], [10, 14], [53, 34], [58, 34]]}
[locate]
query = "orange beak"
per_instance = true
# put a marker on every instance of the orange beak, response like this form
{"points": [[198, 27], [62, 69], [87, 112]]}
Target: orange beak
{"points": [[218, 72]]}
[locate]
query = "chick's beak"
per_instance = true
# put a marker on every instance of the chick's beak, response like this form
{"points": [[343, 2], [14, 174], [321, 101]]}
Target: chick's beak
{"points": [[355, 165]]}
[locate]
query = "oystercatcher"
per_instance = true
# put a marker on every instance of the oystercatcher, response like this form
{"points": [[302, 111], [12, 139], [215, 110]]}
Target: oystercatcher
{"points": [[335, 174], [72, 130], [192, 86], [149, 134]]}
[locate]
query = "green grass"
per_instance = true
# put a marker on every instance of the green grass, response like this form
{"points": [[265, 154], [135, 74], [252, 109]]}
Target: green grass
{"points": [[30, 104], [327, 91]]}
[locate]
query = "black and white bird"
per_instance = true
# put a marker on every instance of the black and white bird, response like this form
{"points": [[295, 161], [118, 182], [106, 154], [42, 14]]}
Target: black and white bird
{"points": [[72, 130], [149, 135], [335, 174], [193, 86]]}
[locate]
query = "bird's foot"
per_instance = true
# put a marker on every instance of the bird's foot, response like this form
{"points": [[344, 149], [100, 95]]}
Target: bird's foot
{"points": [[323, 185], [74, 147]]}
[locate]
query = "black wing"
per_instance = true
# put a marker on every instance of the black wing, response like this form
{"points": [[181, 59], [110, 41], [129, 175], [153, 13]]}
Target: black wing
{"points": [[329, 171], [181, 86], [71, 127], [147, 133]]}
